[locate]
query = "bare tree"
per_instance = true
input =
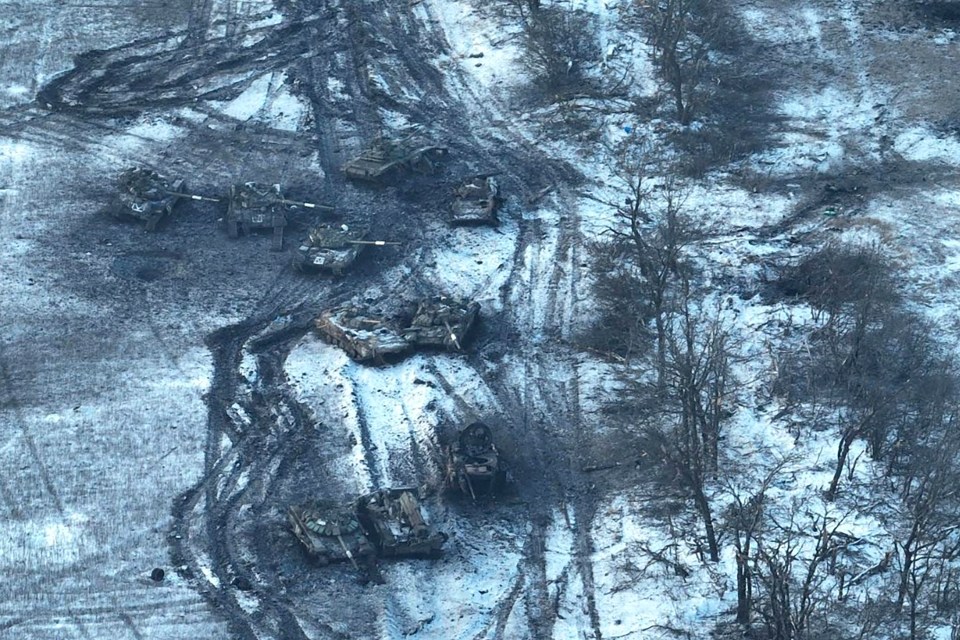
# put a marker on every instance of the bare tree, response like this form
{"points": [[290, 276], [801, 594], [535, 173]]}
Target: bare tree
{"points": [[688, 406], [743, 521], [563, 46], [680, 32], [930, 539], [651, 232], [791, 558]]}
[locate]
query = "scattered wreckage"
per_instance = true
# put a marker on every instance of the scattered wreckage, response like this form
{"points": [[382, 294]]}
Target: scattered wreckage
{"points": [[148, 196], [366, 336], [252, 206], [388, 523], [476, 201], [333, 248], [473, 464], [384, 160]]}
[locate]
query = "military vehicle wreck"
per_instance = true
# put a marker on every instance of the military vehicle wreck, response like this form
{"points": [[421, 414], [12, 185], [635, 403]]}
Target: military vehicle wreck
{"points": [[395, 524], [367, 336], [253, 206], [333, 248], [363, 335], [330, 533], [442, 321], [147, 196], [385, 160], [476, 201], [473, 464], [388, 523]]}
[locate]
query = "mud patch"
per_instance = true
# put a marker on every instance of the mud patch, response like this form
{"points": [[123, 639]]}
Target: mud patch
{"points": [[146, 266]]}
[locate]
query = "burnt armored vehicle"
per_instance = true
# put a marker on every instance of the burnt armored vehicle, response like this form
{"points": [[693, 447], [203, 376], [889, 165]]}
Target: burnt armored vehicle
{"points": [[364, 336], [473, 463], [442, 321], [476, 201], [146, 195], [396, 526], [384, 160], [331, 533]]}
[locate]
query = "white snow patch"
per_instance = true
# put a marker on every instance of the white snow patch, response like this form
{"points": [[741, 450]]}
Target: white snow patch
{"points": [[920, 144], [268, 100]]}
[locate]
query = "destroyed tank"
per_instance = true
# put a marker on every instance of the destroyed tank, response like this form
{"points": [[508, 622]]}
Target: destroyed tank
{"points": [[146, 195], [330, 248], [473, 464], [331, 534], [384, 159], [364, 336], [253, 206], [396, 526], [442, 321], [476, 201]]}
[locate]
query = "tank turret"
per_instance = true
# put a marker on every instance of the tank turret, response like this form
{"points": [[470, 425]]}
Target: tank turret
{"points": [[384, 160], [333, 248]]}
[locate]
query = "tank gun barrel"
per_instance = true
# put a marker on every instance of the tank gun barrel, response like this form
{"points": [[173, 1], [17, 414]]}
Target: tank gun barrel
{"points": [[192, 196], [376, 243], [306, 205]]}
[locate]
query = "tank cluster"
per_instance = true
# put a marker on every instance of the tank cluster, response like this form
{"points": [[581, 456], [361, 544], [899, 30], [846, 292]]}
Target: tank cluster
{"points": [[392, 523], [148, 196]]}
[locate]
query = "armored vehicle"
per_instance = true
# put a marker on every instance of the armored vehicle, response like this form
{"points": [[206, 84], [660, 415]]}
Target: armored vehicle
{"points": [[363, 335], [473, 463], [476, 201], [385, 159], [146, 195], [396, 526], [330, 248], [256, 206], [331, 534], [442, 321]]}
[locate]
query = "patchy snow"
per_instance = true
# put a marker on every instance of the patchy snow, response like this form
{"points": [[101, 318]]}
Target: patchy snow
{"points": [[268, 100]]}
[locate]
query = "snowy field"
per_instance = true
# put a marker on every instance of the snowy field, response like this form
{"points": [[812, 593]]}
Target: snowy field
{"points": [[164, 397]]}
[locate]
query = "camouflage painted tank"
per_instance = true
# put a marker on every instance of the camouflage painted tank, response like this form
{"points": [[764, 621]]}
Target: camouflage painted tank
{"points": [[330, 248], [363, 335], [331, 534], [442, 321], [396, 525], [476, 201], [146, 195], [384, 160], [255, 206], [473, 464]]}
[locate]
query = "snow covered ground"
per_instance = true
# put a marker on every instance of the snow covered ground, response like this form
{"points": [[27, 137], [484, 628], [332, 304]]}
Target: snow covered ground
{"points": [[135, 416]]}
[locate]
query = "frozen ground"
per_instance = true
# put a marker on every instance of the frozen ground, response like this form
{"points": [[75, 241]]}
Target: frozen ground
{"points": [[163, 399]]}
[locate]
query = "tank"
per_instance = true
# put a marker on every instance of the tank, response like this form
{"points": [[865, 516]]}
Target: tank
{"points": [[331, 533], [384, 160], [442, 321], [146, 195], [476, 201], [330, 248], [363, 335], [474, 465], [396, 526], [254, 206]]}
